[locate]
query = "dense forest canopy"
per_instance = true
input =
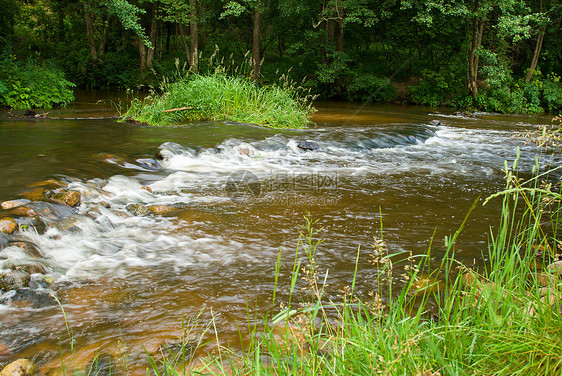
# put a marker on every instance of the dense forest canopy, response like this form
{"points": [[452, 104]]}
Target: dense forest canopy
{"points": [[497, 56]]}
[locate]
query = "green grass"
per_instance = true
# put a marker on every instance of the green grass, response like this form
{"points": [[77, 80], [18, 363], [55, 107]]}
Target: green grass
{"points": [[220, 97]]}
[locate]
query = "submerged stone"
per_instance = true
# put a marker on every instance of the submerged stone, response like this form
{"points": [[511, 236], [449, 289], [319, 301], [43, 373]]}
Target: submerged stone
{"points": [[308, 145], [20, 367], [163, 210], [138, 209], [28, 297], [14, 279], [8, 225], [29, 248]]}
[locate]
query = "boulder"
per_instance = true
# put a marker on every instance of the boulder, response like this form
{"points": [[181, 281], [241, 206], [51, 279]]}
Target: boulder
{"points": [[70, 198], [8, 225], [14, 279], [308, 145], [20, 367], [6, 205]]}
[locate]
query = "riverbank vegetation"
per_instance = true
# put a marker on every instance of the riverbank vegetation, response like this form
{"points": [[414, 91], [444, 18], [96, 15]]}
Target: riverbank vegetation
{"points": [[33, 84], [493, 56], [220, 97]]}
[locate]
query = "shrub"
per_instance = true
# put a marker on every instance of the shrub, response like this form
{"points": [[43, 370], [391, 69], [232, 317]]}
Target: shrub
{"points": [[33, 84]]}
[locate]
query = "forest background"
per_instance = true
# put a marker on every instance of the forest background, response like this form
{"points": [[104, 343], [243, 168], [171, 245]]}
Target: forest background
{"points": [[468, 54]]}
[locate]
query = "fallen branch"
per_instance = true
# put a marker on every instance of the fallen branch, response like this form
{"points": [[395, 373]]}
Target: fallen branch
{"points": [[178, 109]]}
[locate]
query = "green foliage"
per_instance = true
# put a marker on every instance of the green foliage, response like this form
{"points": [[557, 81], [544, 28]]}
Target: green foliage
{"points": [[552, 93], [219, 97], [368, 87], [439, 88], [33, 84]]}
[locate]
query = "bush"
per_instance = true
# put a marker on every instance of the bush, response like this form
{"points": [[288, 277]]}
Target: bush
{"points": [[33, 84]]}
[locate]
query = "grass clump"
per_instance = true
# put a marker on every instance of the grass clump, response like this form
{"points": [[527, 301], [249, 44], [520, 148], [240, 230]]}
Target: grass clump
{"points": [[220, 97]]}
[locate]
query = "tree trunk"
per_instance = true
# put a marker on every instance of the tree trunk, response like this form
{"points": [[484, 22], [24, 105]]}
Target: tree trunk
{"points": [[152, 37], [473, 55], [194, 65], [537, 52], [90, 31], [536, 55], [103, 42], [256, 45], [185, 44], [339, 31], [142, 55]]}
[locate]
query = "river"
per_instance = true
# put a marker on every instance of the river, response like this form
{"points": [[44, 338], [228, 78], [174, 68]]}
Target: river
{"points": [[239, 192]]}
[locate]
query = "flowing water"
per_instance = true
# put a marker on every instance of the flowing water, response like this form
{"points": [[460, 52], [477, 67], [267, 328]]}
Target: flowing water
{"points": [[236, 195]]}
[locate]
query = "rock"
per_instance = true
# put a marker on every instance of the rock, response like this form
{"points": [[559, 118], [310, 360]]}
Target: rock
{"points": [[27, 297], [4, 240], [163, 210], [49, 183], [435, 122], [27, 247], [149, 163], [555, 267], [138, 209], [14, 279], [308, 145], [22, 211], [35, 223], [147, 188], [52, 212], [8, 225], [105, 204], [30, 113], [36, 194], [40, 281], [33, 268], [20, 367], [4, 350], [70, 198], [6, 205]]}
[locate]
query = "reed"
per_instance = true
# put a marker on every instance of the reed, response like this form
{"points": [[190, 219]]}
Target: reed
{"points": [[217, 96]]}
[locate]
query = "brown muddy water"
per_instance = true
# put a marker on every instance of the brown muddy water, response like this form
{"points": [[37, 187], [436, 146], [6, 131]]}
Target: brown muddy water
{"points": [[240, 192]]}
